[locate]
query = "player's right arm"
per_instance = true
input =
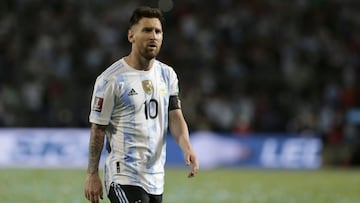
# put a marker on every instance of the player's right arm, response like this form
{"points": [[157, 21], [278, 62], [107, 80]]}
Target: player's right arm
{"points": [[102, 104], [93, 187]]}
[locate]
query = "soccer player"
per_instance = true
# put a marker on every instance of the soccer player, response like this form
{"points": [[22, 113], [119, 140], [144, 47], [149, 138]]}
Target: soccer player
{"points": [[134, 102]]}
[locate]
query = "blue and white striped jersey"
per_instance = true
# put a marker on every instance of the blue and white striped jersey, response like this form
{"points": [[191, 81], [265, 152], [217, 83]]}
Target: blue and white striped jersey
{"points": [[134, 105]]}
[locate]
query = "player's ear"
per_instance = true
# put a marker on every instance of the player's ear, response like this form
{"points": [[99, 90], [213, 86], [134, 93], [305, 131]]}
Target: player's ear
{"points": [[131, 35]]}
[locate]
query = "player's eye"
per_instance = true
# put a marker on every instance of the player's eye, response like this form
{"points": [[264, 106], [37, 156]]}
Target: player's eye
{"points": [[147, 30], [158, 31]]}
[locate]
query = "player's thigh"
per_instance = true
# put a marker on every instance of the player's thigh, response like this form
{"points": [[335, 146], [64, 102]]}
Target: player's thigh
{"points": [[127, 194]]}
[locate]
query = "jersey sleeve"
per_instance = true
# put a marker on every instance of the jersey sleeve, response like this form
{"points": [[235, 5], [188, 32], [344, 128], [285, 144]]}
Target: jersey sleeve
{"points": [[174, 86], [103, 101]]}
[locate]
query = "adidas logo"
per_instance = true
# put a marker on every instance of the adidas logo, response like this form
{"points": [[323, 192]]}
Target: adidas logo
{"points": [[132, 92]]}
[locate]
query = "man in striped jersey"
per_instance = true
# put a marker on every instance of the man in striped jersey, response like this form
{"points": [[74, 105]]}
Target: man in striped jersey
{"points": [[134, 102]]}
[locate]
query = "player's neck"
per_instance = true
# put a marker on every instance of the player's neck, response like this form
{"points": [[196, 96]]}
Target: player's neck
{"points": [[139, 63]]}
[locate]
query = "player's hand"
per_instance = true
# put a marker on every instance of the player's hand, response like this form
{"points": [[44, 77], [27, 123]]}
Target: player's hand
{"points": [[93, 188], [191, 159]]}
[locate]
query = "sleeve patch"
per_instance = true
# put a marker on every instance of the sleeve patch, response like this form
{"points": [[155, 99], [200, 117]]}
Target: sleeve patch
{"points": [[98, 104]]}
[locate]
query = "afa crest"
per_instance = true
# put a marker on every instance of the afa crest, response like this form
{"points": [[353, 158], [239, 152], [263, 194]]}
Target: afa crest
{"points": [[148, 86]]}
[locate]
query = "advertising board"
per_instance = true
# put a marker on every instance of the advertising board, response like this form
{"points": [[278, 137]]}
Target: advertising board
{"points": [[68, 148]]}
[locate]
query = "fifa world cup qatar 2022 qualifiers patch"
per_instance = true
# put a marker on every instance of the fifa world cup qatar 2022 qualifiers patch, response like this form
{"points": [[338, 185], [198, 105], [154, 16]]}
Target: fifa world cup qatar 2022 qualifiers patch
{"points": [[98, 104]]}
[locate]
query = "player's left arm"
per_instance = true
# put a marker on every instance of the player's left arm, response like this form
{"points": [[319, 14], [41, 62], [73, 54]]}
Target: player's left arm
{"points": [[180, 132]]}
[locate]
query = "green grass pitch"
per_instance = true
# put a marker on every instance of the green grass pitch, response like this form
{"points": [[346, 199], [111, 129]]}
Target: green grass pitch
{"points": [[210, 186]]}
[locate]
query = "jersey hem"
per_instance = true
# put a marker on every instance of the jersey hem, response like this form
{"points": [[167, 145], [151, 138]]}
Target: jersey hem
{"points": [[99, 121]]}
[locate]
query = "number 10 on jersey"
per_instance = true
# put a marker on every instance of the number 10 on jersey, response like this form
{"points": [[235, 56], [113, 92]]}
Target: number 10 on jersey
{"points": [[151, 109]]}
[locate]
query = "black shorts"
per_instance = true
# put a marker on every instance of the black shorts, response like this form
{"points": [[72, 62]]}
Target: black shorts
{"points": [[131, 194]]}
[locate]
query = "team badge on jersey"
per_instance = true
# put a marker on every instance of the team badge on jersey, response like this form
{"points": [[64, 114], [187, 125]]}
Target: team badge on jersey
{"points": [[147, 86], [98, 104]]}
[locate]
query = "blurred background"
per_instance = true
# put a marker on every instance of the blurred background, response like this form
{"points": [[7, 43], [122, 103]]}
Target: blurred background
{"points": [[245, 67], [267, 85]]}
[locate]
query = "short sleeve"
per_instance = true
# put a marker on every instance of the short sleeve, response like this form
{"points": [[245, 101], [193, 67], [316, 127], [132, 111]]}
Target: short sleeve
{"points": [[174, 86], [103, 101]]}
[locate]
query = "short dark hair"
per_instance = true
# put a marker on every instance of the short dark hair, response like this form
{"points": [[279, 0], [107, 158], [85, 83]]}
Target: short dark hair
{"points": [[145, 12]]}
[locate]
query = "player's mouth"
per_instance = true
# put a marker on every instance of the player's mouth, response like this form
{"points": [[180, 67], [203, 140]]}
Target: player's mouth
{"points": [[152, 46]]}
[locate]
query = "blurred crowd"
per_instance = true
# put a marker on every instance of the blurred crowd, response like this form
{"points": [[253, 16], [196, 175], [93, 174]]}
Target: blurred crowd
{"points": [[244, 66]]}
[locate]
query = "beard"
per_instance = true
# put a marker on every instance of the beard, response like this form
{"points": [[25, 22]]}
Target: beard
{"points": [[149, 53]]}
